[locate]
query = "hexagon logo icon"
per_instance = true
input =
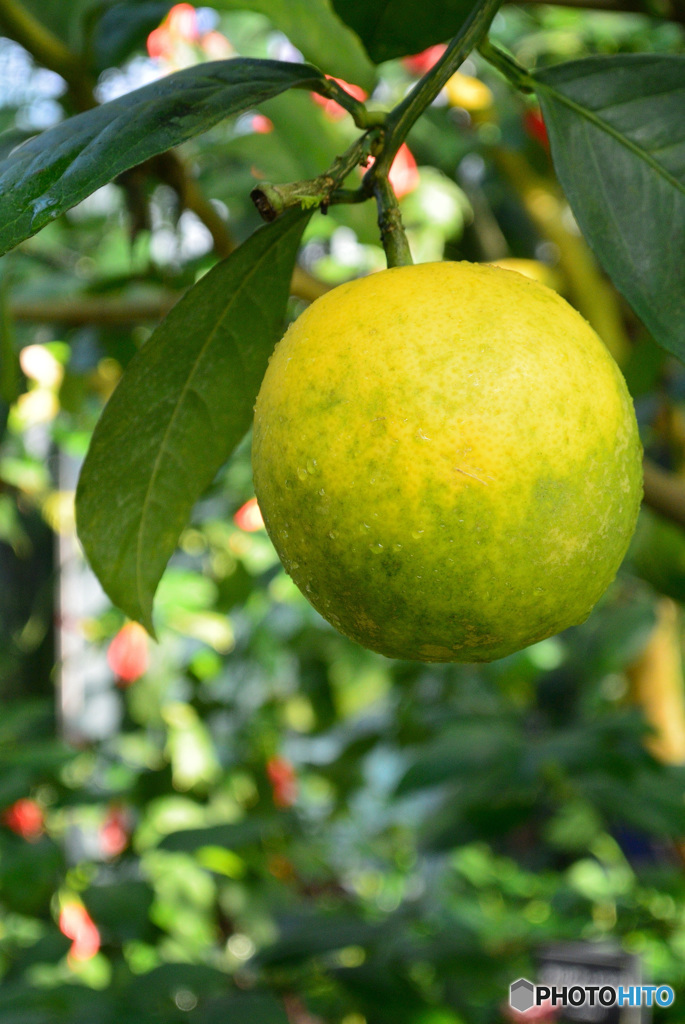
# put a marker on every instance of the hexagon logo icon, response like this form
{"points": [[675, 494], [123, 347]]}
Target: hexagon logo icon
{"points": [[521, 995]]}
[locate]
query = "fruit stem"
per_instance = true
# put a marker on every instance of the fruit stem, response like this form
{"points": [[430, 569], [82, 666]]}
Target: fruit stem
{"points": [[517, 75], [272, 200], [362, 117], [397, 251], [400, 120]]}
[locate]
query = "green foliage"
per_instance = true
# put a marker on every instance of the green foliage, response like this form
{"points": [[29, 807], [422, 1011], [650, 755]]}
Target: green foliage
{"points": [[617, 132], [60, 167], [433, 827], [123, 29], [183, 407], [394, 28], [322, 38]]}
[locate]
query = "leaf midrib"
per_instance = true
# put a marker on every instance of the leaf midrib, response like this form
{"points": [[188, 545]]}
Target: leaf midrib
{"points": [[603, 125], [172, 420]]}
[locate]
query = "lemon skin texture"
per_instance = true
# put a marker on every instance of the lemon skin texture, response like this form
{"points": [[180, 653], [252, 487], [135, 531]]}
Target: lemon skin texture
{"points": [[447, 461]]}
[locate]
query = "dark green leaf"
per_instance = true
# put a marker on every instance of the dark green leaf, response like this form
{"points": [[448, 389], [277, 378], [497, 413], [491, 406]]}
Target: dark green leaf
{"points": [[617, 133], [394, 28], [233, 837], [124, 28], [76, 1004], [54, 171], [313, 27], [183, 405], [120, 908], [310, 935], [245, 1008], [465, 749]]}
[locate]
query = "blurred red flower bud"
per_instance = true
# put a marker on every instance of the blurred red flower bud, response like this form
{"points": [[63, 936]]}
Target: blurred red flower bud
{"points": [[535, 127], [420, 63], [404, 174], [248, 517], [114, 832], [160, 43], [25, 817], [182, 21], [283, 781], [76, 923], [332, 109], [127, 654], [262, 125]]}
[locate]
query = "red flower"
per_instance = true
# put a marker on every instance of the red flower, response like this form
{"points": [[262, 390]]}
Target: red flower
{"points": [[422, 62], [248, 517], [180, 25], [332, 109], [262, 125], [25, 817], [535, 127], [283, 781], [160, 43], [76, 923], [114, 832], [404, 174], [182, 21], [127, 654]]}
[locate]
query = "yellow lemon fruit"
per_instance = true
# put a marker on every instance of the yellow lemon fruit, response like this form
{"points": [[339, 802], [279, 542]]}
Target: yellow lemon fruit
{"points": [[533, 269], [447, 461]]}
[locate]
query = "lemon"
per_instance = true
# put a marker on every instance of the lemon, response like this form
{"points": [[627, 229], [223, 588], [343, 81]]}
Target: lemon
{"points": [[447, 461]]}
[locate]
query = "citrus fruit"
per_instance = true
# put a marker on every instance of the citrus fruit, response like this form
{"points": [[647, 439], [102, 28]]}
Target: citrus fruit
{"points": [[447, 461]]}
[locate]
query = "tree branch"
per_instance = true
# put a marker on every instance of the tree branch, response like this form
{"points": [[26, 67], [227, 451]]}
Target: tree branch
{"points": [[86, 309], [669, 10], [664, 492], [20, 25]]}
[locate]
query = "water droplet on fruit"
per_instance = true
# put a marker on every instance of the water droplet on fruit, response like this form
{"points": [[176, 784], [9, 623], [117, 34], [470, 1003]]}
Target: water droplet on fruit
{"points": [[376, 548], [284, 533], [322, 492], [416, 534], [397, 547], [302, 473], [312, 467], [332, 534]]}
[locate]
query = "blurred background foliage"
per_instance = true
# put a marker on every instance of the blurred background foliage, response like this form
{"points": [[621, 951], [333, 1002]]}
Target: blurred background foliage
{"points": [[255, 820]]}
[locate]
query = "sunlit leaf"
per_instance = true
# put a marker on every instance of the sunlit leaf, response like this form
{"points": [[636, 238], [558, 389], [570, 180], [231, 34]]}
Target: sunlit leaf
{"points": [[54, 171]]}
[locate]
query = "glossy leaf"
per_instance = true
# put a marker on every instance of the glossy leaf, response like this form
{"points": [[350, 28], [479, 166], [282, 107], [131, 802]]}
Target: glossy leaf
{"points": [[182, 406], [54, 171], [395, 28], [617, 133], [317, 31]]}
